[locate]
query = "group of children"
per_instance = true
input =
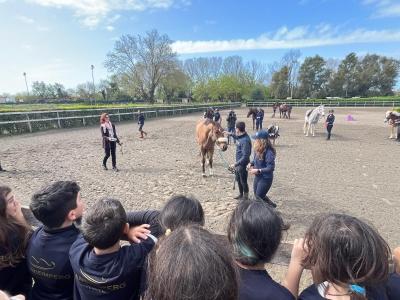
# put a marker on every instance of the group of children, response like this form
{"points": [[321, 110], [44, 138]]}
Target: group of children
{"points": [[168, 254]]}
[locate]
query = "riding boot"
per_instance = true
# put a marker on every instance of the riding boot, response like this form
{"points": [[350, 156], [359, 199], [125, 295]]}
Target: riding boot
{"points": [[1, 169], [238, 197], [268, 201], [141, 134]]}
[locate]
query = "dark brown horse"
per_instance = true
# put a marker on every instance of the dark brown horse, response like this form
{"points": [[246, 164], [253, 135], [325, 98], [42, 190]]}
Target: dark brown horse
{"points": [[253, 113], [285, 110], [209, 134], [393, 119]]}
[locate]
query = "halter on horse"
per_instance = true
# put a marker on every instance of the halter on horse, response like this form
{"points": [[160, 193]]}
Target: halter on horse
{"points": [[209, 134], [311, 119], [285, 110], [393, 119]]}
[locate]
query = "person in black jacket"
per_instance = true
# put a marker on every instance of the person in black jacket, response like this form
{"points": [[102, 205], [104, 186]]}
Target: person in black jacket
{"points": [[141, 119], [231, 122], [14, 235], [59, 208], [110, 140], [243, 151], [217, 116], [330, 119]]}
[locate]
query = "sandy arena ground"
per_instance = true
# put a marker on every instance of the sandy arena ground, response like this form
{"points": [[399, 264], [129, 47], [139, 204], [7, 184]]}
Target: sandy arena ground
{"points": [[357, 172]]}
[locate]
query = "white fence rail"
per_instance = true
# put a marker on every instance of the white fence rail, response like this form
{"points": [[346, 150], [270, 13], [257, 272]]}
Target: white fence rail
{"points": [[332, 103], [18, 122]]}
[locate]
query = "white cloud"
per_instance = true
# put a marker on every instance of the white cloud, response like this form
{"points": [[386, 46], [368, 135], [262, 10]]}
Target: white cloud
{"points": [[110, 28], [384, 8], [26, 47], [92, 12], [42, 28], [284, 38], [25, 19]]}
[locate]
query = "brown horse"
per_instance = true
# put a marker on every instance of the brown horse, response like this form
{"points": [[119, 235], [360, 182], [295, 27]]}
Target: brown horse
{"points": [[285, 110], [209, 133], [253, 113], [274, 108], [393, 119]]}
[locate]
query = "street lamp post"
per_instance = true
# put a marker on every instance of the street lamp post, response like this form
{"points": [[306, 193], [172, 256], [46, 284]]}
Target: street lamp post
{"points": [[26, 83], [94, 88]]}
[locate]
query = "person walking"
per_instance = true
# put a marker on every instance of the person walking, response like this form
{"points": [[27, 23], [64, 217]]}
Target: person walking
{"points": [[231, 122], [330, 119], [243, 152], [110, 140], [141, 119], [263, 166]]}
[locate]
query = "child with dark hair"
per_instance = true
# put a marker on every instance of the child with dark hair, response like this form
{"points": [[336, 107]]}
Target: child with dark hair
{"points": [[179, 211], [349, 260], [191, 264], [57, 207], [103, 269], [14, 236], [255, 232], [393, 286]]}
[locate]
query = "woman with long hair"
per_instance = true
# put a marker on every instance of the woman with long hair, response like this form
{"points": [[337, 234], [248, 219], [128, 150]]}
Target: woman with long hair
{"points": [[263, 166], [14, 235], [110, 140]]}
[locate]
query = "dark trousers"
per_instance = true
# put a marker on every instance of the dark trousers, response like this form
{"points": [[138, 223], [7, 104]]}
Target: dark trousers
{"points": [[241, 178], [258, 124], [261, 187], [398, 132], [231, 130], [110, 147], [329, 129]]}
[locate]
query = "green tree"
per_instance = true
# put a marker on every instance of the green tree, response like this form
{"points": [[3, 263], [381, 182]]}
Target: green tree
{"points": [[313, 77], [280, 83]]}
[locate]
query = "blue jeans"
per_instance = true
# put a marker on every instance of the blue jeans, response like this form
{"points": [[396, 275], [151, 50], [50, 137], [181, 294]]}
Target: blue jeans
{"points": [[258, 124], [261, 186], [231, 130]]}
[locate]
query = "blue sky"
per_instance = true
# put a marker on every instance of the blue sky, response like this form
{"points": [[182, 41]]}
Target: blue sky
{"points": [[58, 40]]}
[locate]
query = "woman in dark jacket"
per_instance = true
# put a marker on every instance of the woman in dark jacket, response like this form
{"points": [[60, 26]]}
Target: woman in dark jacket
{"points": [[110, 140], [14, 235], [263, 165]]}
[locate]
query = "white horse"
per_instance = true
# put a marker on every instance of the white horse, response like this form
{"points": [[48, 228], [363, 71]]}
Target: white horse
{"points": [[393, 119], [311, 119]]}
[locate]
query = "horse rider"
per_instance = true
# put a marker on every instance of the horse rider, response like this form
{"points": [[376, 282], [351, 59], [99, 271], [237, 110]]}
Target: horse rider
{"points": [[231, 121], [243, 152], [259, 118], [217, 116], [141, 119], [330, 119]]}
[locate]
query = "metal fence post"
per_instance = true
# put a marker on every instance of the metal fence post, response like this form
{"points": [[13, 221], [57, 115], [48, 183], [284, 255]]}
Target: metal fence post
{"points": [[58, 120], [29, 123]]}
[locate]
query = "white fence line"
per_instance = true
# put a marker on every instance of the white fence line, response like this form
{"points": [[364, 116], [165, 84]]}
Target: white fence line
{"points": [[112, 112], [395, 103]]}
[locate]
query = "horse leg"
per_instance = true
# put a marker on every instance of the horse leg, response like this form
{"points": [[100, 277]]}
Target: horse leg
{"points": [[210, 160], [305, 127], [203, 162], [391, 132], [313, 129]]}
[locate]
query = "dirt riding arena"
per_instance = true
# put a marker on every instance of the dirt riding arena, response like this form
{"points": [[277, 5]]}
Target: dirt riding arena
{"points": [[356, 172]]}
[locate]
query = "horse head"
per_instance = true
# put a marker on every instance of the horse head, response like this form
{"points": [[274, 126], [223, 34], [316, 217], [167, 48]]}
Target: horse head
{"points": [[251, 112], [321, 110], [218, 136], [388, 116]]}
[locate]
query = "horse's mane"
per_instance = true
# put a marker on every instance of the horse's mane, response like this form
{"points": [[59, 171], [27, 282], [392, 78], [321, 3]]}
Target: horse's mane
{"points": [[314, 115]]}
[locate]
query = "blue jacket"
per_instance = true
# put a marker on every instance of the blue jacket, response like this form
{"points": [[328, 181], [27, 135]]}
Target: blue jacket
{"points": [[330, 119], [260, 115], [243, 149], [141, 119], [266, 164]]}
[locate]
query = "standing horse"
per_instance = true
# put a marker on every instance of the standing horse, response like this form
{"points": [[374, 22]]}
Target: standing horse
{"points": [[285, 110], [393, 119], [253, 113], [209, 133], [311, 119]]}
